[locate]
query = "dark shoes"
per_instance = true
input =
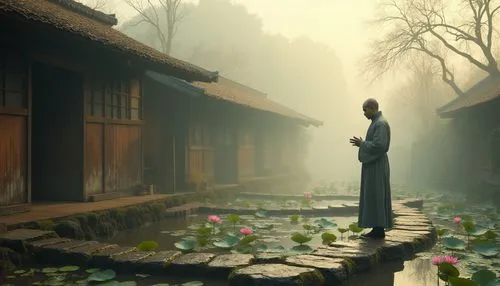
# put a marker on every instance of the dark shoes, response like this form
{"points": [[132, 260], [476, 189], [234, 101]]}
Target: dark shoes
{"points": [[375, 233]]}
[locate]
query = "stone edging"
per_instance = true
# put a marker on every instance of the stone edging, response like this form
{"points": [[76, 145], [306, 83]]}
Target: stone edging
{"points": [[327, 265], [266, 196]]}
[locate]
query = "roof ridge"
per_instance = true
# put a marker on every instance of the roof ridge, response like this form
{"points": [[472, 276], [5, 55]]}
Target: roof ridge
{"points": [[82, 9]]}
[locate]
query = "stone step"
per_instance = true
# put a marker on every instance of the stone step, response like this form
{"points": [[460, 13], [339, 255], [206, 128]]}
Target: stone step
{"points": [[276, 275], [334, 270], [18, 239]]}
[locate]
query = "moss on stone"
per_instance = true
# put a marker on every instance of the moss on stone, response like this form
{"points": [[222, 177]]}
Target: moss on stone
{"points": [[69, 229], [46, 224], [312, 278], [349, 265]]}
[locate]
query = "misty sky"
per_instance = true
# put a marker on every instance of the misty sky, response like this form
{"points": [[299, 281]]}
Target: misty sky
{"points": [[339, 23]]}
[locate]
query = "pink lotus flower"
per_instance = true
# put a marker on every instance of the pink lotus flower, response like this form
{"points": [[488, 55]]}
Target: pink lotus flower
{"points": [[437, 260], [308, 195], [214, 219], [457, 219], [246, 231]]}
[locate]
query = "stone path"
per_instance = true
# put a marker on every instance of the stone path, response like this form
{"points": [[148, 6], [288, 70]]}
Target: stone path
{"points": [[326, 265], [59, 210]]}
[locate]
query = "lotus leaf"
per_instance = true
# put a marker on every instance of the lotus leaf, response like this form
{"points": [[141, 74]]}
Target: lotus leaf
{"points": [[233, 218], [468, 226], [446, 271], [301, 238], [102, 276], [487, 250], [325, 223], [454, 243], [294, 218], [484, 277], [302, 248], [328, 237], [227, 242], [342, 230], [148, 245], [203, 230], [50, 270], [92, 270], [442, 231], [457, 281], [478, 230], [261, 213], [202, 240], [248, 239], [192, 283], [355, 228], [186, 244], [490, 234], [70, 268]]}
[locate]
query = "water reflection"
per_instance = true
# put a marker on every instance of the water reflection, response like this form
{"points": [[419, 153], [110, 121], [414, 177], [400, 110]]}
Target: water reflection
{"points": [[417, 272]]}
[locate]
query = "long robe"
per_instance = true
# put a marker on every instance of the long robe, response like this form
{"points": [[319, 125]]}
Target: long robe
{"points": [[375, 209]]}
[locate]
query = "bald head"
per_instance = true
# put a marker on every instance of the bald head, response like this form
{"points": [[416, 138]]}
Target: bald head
{"points": [[371, 103], [370, 108]]}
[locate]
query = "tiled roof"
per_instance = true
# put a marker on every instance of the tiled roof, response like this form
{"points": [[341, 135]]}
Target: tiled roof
{"points": [[483, 92], [72, 17], [236, 93]]}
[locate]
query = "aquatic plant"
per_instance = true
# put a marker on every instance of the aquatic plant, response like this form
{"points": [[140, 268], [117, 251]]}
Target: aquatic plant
{"points": [[328, 238], [148, 245], [294, 219], [342, 231], [214, 219], [227, 242], [234, 219], [325, 223], [307, 196], [301, 238]]}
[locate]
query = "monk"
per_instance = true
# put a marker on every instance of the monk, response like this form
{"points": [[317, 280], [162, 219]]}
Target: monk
{"points": [[375, 209]]}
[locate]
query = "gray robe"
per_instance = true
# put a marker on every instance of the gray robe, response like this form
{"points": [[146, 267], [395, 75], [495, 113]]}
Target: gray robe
{"points": [[375, 209]]}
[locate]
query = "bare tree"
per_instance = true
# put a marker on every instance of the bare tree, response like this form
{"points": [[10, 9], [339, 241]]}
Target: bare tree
{"points": [[422, 26], [163, 15]]}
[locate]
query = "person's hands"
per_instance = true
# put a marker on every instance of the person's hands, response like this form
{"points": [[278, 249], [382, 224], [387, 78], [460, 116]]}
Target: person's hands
{"points": [[356, 141]]}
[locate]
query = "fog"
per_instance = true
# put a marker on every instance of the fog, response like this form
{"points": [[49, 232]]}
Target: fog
{"points": [[310, 55]]}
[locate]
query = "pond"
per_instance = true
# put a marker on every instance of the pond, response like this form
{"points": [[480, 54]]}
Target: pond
{"points": [[270, 233], [283, 203], [75, 276]]}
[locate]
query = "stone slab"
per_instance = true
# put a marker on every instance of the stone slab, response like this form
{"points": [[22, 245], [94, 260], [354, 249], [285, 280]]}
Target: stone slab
{"points": [[128, 262], [83, 254], [364, 259], [191, 263], [27, 235], [223, 264], [266, 258], [157, 263], [60, 247], [275, 274], [102, 258], [44, 242], [333, 269]]}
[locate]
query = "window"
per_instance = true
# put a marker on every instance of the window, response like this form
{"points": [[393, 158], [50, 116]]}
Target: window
{"points": [[13, 81], [115, 99]]}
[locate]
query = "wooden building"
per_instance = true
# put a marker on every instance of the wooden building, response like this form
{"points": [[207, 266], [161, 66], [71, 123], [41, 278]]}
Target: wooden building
{"points": [[230, 134], [71, 91], [476, 132]]}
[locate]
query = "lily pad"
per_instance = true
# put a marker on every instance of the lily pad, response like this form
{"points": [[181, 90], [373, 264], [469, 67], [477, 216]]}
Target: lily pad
{"points": [[484, 277], [102, 276], [478, 230], [304, 248], [227, 242], [457, 281], [186, 244], [300, 238], [192, 283], [248, 239], [92, 270], [50, 270], [69, 268], [355, 228], [487, 250], [454, 243], [446, 271], [261, 213], [328, 238], [325, 223]]}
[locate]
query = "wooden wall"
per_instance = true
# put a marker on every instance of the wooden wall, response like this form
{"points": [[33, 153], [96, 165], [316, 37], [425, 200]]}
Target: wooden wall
{"points": [[113, 134], [14, 106], [200, 160], [246, 152]]}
